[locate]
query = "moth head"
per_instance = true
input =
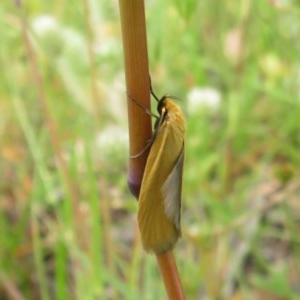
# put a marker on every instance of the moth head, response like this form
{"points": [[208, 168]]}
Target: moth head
{"points": [[161, 104], [161, 108]]}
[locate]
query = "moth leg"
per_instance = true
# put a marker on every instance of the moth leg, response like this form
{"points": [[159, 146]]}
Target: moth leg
{"points": [[147, 111], [149, 143]]}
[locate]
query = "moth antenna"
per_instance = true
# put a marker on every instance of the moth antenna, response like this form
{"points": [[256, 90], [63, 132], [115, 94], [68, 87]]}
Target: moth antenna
{"points": [[156, 98], [151, 90], [174, 97]]}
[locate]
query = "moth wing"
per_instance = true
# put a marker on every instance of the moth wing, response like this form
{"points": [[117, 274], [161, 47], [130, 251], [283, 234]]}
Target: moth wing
{"points": [[160, 194], [171, 190], [158, 230]]}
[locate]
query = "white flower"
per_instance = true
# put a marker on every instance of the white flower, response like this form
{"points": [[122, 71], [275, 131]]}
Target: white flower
{"points": [[199, 97], [44, 24], [112, 140]]}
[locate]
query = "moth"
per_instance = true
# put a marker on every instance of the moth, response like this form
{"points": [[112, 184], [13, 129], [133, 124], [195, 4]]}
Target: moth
{"points": [[159, 201]]}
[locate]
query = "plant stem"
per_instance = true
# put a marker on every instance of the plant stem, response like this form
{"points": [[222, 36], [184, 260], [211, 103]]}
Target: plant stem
{"points": [[168, 269], [138, 86]]}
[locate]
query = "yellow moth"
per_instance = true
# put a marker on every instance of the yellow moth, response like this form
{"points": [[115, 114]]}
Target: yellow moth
{"points": [[160, 195]]}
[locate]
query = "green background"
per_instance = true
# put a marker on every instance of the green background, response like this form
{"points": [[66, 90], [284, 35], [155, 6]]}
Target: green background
{"points": [[67, 220]]}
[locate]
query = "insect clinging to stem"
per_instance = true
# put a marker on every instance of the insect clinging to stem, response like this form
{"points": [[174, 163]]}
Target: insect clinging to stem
{"points": [[160, 195]]}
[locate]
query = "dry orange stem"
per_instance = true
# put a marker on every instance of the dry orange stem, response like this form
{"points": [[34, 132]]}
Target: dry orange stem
{"points": [[138, 86], [168, 269]]}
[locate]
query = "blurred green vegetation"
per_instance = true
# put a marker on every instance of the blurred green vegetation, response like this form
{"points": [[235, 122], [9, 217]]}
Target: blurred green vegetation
{"points": [[67, 219]]}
